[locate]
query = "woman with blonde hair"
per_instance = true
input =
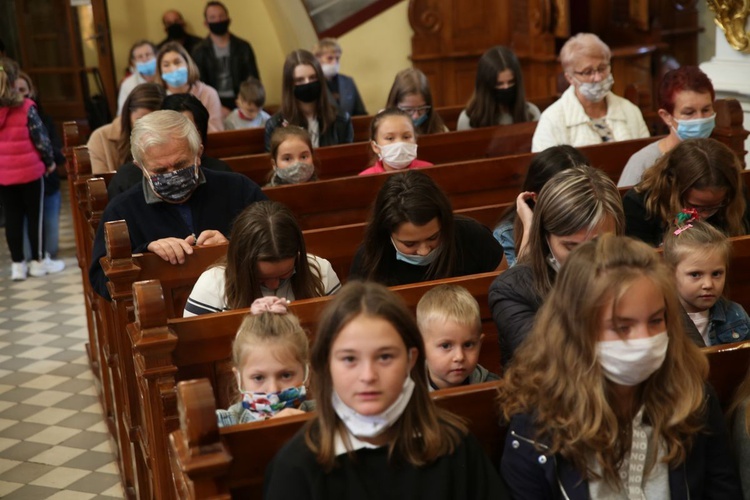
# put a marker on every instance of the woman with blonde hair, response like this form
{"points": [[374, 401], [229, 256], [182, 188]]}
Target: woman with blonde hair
{"points": [[703, 174], [574, 206], [608, 397]]}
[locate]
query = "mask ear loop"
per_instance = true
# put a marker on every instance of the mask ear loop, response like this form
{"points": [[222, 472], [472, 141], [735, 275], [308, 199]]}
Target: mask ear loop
{"points": [[307, 374]]}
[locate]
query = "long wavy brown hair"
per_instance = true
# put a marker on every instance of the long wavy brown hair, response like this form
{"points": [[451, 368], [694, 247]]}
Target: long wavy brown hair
{"points": [[699, 164], [424, 432], [556, 378]]}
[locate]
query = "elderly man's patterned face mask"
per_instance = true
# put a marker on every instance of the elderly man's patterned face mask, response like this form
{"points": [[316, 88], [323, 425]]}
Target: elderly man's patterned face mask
{"points": [[175, 186]]}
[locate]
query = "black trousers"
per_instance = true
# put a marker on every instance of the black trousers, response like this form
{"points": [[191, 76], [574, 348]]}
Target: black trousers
{"points": [[23, 201]]}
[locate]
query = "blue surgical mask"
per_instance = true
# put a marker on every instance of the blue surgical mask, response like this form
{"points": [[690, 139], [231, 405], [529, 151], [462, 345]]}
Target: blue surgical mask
{"points": [[420, 121], [176, 78], [700, 128], [415, 260], [147, 68]]}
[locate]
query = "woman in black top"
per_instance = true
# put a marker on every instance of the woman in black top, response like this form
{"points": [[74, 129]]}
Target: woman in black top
{"points": [[413, 236], [574, 206]]}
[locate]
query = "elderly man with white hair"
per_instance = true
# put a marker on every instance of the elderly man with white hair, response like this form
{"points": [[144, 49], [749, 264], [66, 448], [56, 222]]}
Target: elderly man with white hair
{"points": [[177, 204], [588, 113]]}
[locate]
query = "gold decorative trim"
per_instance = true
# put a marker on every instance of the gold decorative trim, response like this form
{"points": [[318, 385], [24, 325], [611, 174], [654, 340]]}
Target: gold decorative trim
{"points": [[731, 17]]}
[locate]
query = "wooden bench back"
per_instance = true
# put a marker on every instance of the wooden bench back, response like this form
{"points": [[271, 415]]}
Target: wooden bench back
{"points": [[467, 184], [728, 366], [350, 159], [231, 461], [170, 350], [231, 143]]}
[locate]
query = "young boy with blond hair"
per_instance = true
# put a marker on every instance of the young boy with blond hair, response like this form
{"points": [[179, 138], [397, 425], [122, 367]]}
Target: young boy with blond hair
{"points": [[328, 53], [249, 112], [449, 320]]}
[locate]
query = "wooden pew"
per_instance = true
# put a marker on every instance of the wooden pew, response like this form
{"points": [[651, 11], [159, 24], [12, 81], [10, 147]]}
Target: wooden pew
{"points": [[167, 350], [170, 350], [88, 198], [208, 462], [231, 143], [122, 267], [350, 159], [468, 184], [728, 365], [75, 133]]}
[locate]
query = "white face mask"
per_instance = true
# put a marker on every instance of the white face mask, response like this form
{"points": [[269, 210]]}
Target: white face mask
{"points": [[630, 362], [398, 154], [330, 70], [368, 426], [596, 91]]}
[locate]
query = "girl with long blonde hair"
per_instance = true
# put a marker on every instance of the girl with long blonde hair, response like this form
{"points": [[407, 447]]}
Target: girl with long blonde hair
{"points": [[607, 398]]}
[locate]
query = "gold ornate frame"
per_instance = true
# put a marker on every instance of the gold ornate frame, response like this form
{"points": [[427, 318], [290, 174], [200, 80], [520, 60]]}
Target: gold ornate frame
{"points": [[732, 16]]}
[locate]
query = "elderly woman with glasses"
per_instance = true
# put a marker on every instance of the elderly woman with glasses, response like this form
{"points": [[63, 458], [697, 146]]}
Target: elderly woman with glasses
{"points": [[587, 113]]}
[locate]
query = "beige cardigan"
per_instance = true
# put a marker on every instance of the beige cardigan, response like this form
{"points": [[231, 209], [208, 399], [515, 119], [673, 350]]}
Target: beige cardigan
{"points": [[102, 147]]}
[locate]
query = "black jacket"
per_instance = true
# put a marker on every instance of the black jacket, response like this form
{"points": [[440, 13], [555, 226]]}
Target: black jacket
{"points": [[514, 304], [241, 60], [213, 205], [708, 472]]}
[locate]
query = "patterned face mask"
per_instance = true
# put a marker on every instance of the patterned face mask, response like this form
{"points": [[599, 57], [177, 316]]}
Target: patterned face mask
{"points": [[296, 173], [266, 405], [175, 186]]}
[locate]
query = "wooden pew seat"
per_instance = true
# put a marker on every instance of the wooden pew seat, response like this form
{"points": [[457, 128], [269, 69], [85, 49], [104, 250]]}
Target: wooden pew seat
{"points": [[219, 463]]}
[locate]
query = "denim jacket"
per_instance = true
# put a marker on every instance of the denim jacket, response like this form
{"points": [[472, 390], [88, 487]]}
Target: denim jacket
{"points": [[727, 323], [503, 233]]}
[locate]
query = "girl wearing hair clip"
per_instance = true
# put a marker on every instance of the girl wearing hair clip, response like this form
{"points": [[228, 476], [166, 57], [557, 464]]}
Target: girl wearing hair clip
{"points": [[270, 357], [699, 255]]}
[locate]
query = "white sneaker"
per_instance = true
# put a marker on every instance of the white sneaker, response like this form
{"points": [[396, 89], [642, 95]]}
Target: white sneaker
{"points": [[18, 271], [36, 268], [52, 266]]}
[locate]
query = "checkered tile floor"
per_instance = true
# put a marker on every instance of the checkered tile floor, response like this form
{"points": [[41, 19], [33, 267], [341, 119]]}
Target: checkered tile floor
{"points": [[53, 440]]}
